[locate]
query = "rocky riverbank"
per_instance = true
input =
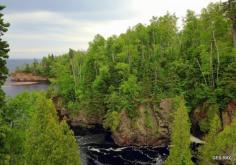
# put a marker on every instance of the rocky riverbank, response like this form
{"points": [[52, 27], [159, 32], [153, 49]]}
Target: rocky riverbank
{"points": [[151, 128]]}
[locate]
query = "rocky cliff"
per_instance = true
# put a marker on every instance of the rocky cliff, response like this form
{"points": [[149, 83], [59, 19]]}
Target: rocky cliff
{"points": [[229, 113], [152, 127]]}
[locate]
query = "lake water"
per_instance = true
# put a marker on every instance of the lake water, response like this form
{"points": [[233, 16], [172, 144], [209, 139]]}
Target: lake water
{"points": [[96, 146], [12, 90]]}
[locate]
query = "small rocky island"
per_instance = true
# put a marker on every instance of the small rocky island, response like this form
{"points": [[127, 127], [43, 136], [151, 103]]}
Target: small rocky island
{"points": [[23, 78]]}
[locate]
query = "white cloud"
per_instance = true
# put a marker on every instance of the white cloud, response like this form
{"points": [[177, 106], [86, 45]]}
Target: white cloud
{"points": [[55, 32]]}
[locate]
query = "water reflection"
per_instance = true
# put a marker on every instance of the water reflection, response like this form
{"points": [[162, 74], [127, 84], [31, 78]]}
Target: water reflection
{"points": [[12, 90]]}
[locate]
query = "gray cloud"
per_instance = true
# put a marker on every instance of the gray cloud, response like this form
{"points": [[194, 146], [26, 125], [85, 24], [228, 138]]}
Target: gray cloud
{"points": [[42, 26], [63, 5]]}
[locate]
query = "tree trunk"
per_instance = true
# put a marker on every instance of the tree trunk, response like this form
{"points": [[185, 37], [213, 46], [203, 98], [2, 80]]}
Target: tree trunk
{"points": [[211, 67], [234, 34], [218, 58], [201, 71]]}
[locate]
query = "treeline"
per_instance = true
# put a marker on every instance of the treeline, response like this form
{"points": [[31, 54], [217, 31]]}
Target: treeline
{"points": [[39, 67], [151, 62]]}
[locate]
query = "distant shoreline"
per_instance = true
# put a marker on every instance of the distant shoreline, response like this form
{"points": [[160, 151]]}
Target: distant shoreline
{"points": [[22, 83], [10, 83]]}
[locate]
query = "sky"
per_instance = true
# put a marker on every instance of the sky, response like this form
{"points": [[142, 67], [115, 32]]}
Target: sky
{"points": [[42, 27]]}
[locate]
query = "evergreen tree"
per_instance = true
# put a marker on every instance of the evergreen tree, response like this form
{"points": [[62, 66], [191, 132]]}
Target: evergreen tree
{"points": [[180, 137], [4, 49], [225, 143], [219, 144], [17, 113], [208, 149], [48, 141], [4, 129]]}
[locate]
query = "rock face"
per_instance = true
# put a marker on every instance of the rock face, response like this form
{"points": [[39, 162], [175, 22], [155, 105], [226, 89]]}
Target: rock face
{"points": [[151, 128], [203, 114], [83, 119], [229, 113], [76, 120]]}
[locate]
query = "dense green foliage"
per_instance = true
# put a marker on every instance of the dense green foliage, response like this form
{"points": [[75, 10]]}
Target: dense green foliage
{"points": [[35, 135], [120, 72], [17, 113], [212, 110], [4, 129], [220, 146], [112, 120], [229, 8], [4, 49], [48, 141], [225, 143], [42, 67], [180, 137], [208, 55], [208, 150], [148, 63]]}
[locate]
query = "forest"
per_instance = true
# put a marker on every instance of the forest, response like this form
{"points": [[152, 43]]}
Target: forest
{"points": [[123, 81]]}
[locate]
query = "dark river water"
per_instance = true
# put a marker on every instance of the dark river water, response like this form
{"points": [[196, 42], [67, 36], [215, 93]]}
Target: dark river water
{"points": [[96, 146], [93, 152]]}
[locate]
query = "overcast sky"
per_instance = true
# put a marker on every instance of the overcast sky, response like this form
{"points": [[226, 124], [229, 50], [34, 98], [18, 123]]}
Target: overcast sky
{"points": [[40, 27]]}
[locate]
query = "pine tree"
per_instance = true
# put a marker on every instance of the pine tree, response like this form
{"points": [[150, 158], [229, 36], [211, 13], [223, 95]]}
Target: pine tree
{"points": [[4, 49], [50, 142], [220, 144], [208, 150], [180, 138], [4, 129], [225, 143]]}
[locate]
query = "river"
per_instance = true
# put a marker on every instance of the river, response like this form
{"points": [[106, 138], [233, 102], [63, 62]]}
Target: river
{"points": [[97, 148], [96, 145]]}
